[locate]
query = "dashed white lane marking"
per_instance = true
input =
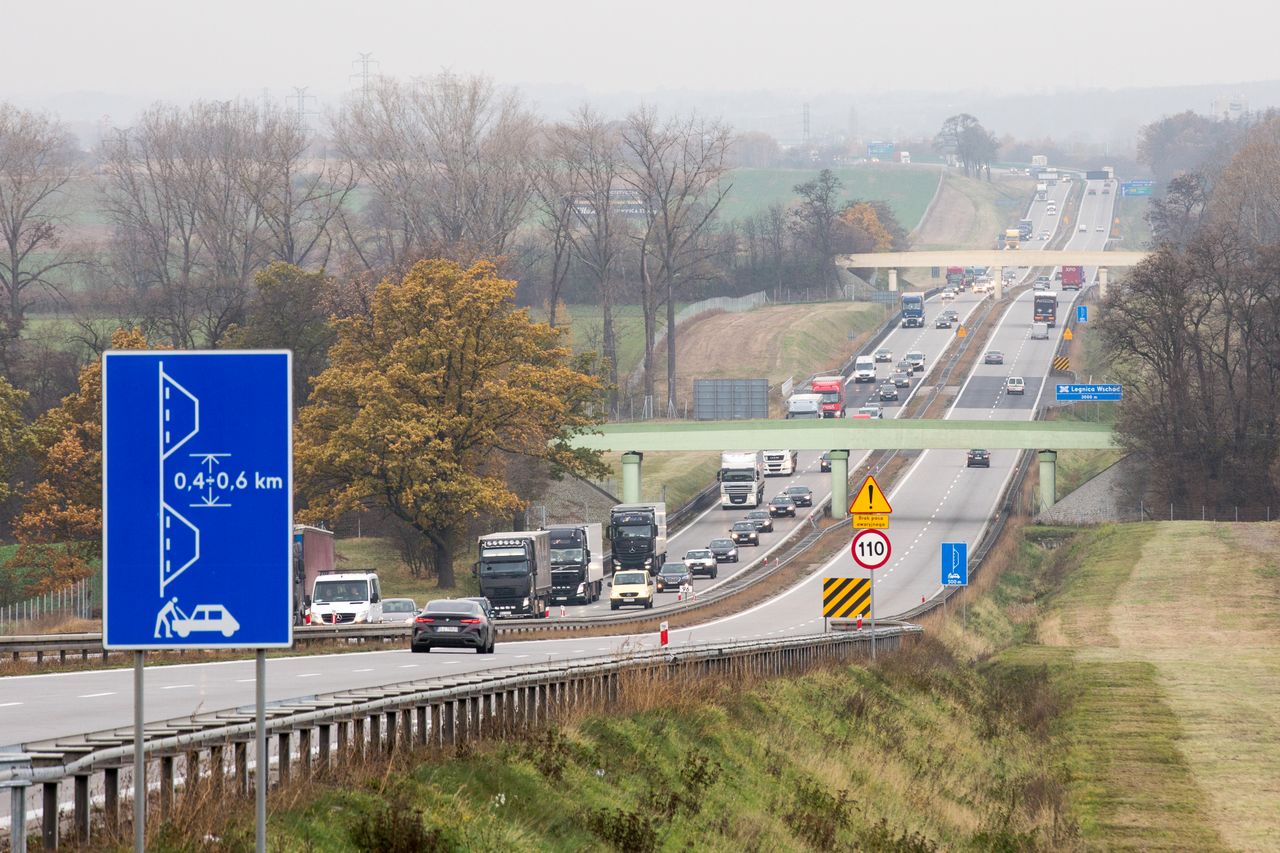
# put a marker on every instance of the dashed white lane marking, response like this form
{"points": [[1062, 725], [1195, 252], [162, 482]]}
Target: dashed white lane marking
{"points": [[9, 704], [176, 686], [96, 695], [521, 656], [370, 669], [245, 680], [317, 674], [407, 665]]}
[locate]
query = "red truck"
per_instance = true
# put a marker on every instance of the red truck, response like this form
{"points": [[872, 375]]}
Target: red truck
{"points": [[1072, 278], [313, 553], [832, 390]]}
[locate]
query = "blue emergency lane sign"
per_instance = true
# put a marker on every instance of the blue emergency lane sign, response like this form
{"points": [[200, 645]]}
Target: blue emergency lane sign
{"points": [[955, 564]]}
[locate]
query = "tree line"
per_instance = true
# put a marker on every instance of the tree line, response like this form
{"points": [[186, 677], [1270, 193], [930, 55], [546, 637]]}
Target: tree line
{"points": [[1194, 330]]}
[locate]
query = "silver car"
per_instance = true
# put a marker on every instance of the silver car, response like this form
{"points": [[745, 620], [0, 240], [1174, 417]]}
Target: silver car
{"points": [[398, 610]]}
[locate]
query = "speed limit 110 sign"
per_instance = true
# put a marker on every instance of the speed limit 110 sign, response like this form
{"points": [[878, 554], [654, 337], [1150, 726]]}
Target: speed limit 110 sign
{"points": [[871, 549]]}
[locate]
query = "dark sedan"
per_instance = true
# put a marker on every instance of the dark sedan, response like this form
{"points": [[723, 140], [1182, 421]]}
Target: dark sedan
{"points": [[824, 464], [889, 391], [724, 549], [943, 322], [802, 495], [993, 356], [762, 519], [978, 459], [901, 379], [671, 576], [745, 533], [453, 622], [782, 505]]}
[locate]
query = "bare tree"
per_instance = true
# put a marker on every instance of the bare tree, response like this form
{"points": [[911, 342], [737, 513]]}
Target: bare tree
{"points": [[37, 159], [589, 149], [677, 170], [451, 159], [553, 203]]}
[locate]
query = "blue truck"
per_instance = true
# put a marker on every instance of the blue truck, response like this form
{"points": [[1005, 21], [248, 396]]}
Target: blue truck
{"points": [[912, 310]]}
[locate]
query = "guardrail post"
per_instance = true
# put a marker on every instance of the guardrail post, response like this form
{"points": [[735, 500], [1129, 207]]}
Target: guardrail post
{"points": [[241, 749], [436, 734], [421, 713], [49, 819], [17, 815], [473, 718], [391, 732], [344, 731], [406, 727], [111, 798], [304, 751], [82, 807], [449, 726], [166, 785], [375, 733], [193, 770], [282, 754], [357, 736], [500, 712], [217, 766], [326, 732]]}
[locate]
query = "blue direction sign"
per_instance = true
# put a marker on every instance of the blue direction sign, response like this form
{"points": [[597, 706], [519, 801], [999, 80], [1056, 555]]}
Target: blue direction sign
{"points": [[880, 150], [1082, 313], [197, 458], [955, 564], [1104, 392]]}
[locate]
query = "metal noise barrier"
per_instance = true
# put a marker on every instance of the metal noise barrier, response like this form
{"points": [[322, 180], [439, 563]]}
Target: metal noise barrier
{"points": [[440, 712]]}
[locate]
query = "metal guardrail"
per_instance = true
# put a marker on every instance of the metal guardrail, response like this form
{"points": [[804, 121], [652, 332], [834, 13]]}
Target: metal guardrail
{"points": [[440, 712]]}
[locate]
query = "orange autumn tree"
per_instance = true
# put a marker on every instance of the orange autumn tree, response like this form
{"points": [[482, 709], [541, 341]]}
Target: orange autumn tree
{"points": [[430, 396], [864, 217], [60, 528]]}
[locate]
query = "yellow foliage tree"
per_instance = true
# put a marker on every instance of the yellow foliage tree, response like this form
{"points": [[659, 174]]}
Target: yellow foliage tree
{"points": [[429, 395], [60, 528], [864, 217], [12, 427]]}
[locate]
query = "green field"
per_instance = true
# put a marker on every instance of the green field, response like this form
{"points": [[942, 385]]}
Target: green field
{"points": [[907, 189], [1134, 230]]}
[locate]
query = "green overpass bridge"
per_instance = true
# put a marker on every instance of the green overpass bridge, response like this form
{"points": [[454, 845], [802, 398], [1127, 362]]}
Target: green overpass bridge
{"points": [[996, 258], [842, 435]]}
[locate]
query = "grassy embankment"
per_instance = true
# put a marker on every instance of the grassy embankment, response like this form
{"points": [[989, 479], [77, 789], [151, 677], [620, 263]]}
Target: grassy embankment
{"points": [[1100, 696], [906, 189]]}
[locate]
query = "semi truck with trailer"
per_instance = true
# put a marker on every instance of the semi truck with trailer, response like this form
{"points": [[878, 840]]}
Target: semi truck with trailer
{"points": [[832, 390], [313, 553], [577, 562], [1072, 277], [801, 406], [1045, 308], [514, 569], [741, 477], [912, 311], [638, 536]]}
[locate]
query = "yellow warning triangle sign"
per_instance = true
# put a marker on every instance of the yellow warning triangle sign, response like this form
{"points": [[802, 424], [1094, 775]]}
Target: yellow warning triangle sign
{"points": [[1066, 334], [870, 498]]}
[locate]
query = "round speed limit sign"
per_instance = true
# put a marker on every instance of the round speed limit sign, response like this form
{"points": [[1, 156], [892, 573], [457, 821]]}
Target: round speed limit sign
{"points": [[871, 549]]}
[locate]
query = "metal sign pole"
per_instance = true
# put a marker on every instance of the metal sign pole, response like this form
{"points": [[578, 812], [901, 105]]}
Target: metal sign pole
{"points": [[260, 666], [873, 615], [139, 764]]}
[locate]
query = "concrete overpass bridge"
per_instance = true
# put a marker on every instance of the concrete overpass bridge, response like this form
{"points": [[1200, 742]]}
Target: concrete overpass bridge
{"points": [[997, 258], [842, 435]]}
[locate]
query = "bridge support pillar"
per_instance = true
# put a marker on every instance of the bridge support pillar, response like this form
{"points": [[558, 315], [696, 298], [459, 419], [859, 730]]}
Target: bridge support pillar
{"points": [[839, 483], [1102, 282], [998, 279], [1048, 478], [631, 476], [893, 280]]}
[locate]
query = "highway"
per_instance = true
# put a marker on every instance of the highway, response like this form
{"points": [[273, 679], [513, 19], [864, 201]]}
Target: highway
{"points": [[937, 500]]}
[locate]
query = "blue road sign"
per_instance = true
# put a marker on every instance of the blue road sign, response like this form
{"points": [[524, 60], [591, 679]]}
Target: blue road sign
{"points": [[1082, 313], [955, 564], [1136, 188], [1104, 392], [197, 525], [880, 150]]}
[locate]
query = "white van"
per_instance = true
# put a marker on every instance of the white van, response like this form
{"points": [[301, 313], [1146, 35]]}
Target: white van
{"points": [[1039, 331], [864, 369], [345, 598], [1015, 385]]}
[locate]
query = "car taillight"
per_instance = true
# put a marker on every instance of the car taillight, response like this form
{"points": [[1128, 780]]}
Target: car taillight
{"points": [[470, 621], [424, 619]]}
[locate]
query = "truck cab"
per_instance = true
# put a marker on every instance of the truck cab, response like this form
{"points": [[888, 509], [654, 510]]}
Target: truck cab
{"points": [[514, 569], [780, 462]]}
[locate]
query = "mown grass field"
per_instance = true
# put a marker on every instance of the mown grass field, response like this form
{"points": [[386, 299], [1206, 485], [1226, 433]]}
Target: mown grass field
{"points": [[906, 189]]}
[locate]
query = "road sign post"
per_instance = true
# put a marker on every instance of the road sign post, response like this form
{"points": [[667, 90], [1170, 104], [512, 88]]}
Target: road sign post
{"points": [[197, 515], [871, 550]]}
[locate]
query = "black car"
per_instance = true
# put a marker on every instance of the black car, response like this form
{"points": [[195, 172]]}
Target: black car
{"points": [[978, 459], [906, 367], [725, 550], [802, 495], [453, 622], [901, 379], [993, 356], [782, 505], [824, 464], [762, 519], [671, 576], [889, 391], [943, 322], [485, 606], [883, 355], [744, 532]]}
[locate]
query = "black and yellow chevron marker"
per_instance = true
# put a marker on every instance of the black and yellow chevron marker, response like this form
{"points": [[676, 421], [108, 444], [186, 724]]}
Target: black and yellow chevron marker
{"points": [[846, 598], [1061, 363]]}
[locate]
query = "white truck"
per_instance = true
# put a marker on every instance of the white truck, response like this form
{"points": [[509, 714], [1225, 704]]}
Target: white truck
{"points": [[577, 562], [864, 369], [780, 462], [804, 406], [346, 598], [1042, 191], [741, 477]]}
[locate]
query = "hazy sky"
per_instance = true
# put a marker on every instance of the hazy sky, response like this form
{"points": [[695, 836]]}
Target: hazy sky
{"points": [[178, 49]]}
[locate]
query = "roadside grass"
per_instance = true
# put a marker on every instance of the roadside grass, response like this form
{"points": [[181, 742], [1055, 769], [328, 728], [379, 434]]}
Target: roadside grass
{"points": [[971, 213], [1134, 230], [380, 555], [585, 325], [906, 189], [672, 477]]}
